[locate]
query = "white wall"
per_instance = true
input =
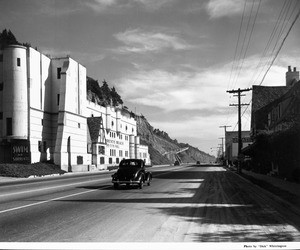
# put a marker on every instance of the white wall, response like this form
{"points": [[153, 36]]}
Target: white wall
{"points": [[1, 93], [71, 137], [14, 94]]}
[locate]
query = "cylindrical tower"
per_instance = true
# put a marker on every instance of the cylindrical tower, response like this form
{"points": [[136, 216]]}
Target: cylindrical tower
{"points": [[137, 147], [132, 147], [118, 120], [1, 93], [108, 118], [15, 96]]}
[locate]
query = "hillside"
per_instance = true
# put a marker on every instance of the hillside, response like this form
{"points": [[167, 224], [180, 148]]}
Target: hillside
{"points": [[162, 148]]}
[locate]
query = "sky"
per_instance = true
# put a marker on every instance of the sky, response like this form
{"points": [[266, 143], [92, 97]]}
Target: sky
{"points": [[170, 60]]}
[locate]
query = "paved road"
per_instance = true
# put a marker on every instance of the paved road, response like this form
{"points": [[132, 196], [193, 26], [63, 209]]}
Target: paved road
{"points": [[183, 204]]}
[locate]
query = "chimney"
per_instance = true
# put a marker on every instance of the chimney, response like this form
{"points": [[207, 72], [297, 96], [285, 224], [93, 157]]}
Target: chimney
{"points": [[291, 76]]}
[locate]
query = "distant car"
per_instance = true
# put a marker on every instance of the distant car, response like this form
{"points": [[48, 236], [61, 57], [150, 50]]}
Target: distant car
{"points": [[131, 172], [198, 163], [176, 163]]}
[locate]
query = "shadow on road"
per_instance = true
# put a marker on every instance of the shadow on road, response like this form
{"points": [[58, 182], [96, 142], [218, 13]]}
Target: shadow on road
{"points": [[229, 205]]}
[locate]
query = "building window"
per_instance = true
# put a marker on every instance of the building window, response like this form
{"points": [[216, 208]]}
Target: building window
{"points": [[101, 150], [79, 159], [112, 152], [57, 99], [120, 153], [78, 125], [110, 160], [1, 115], [58, 73], [102, 160], [126, 153], [18, 62], [1, 58], [8, 126], [1, 86]]}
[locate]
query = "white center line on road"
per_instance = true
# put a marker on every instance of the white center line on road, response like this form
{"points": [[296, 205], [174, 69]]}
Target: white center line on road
{"points": [[48, 188], [58, 198], [66, 185], [42, 202]]}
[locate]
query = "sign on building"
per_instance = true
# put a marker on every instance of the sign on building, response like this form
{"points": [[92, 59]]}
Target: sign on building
{"points": [[20, 151]]}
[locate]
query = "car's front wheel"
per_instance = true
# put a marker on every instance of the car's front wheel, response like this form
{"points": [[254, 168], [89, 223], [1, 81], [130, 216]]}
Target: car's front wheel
{"points": [[116, 185]]}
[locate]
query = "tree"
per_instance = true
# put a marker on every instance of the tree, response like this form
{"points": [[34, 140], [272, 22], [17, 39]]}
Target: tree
{"points": [[7, 38], [116, 98], [103, 94], [106, 93]]}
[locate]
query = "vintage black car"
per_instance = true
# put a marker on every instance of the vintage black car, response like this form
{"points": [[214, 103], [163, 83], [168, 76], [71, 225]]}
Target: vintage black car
{"points": [[131, 172]]}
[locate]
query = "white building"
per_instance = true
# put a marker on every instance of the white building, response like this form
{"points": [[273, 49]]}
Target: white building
{"points": [[44, 110], [113, 136]]}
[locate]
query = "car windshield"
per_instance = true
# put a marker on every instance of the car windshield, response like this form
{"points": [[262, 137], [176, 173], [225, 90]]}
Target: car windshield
{"points": [[130, 164]]}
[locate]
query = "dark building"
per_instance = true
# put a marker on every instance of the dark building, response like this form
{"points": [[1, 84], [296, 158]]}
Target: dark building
{"points": [[275, 128]]}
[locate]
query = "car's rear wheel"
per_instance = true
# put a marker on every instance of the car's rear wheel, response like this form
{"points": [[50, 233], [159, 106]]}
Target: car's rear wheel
{"points": [[149, 181], [141, 184]]}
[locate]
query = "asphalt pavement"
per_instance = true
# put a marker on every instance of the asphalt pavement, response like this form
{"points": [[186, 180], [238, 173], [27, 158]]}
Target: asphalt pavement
{"points": [[183, 204]]}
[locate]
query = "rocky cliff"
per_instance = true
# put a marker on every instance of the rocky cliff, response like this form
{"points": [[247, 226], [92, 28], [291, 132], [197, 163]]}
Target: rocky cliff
{"points": [[164, 150]]}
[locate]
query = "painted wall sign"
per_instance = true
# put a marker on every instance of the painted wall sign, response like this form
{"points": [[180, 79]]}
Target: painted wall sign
{"points": [[244, 139], [20, 151], [113, 143]]}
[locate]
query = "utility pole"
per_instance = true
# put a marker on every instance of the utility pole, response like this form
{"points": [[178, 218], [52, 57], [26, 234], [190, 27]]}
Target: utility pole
{"points": [[240, 142], [215, 149]]}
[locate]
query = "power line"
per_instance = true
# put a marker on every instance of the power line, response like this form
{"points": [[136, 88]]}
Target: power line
{"points": [[250, 36], [279, 19], [279, 35], [236, 46], [278, 49]]}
